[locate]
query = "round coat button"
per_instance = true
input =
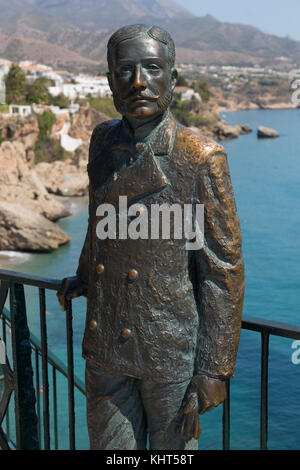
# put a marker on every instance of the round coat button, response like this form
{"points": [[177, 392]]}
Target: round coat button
{"points": [[92, 325], [133, 274], [100, 268], [126, 333]]}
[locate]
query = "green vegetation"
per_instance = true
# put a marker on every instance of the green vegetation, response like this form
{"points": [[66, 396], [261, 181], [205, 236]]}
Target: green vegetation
{"points": [[37, 91], [46, 148], [191, 113], [105, 106], [45, 121], [15, 83], [3, 108], [202, 87], [18, 91], [181, 81], [3, 139]]}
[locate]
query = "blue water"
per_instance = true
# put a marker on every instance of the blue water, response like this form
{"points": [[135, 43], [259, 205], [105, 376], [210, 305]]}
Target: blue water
{"points": [[265, 175]]}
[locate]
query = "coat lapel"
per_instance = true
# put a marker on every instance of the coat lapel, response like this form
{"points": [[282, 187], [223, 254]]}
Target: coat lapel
{"points": [[143, 176]]}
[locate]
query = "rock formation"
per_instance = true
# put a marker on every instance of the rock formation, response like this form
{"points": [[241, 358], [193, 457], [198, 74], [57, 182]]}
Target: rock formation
{"points": [[25, 230], [266, 132]]}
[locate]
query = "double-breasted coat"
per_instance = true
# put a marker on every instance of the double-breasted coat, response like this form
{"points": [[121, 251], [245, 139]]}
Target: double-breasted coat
{"points": [[155, 309]]}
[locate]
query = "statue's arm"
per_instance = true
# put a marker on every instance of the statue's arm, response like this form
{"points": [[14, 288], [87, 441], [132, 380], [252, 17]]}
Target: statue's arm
{"points": [[220, 289], [220, 272]]}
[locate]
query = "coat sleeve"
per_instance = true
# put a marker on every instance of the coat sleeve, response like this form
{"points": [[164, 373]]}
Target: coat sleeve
{"points": [[219, 271]]}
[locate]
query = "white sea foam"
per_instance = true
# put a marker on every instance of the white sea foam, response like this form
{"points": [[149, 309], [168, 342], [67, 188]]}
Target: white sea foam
{"points": [[8, 258]]}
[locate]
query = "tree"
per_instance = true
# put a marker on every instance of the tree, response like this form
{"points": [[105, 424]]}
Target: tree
{"points": [[181, 81], [38, 93], [15, 82]]}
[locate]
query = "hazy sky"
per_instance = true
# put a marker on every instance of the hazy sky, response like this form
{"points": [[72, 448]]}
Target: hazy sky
{"points": [[271, 16]]}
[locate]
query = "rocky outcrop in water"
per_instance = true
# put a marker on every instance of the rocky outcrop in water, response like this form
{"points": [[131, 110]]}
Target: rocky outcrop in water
{"points": [[266, 132], [25, 230]]}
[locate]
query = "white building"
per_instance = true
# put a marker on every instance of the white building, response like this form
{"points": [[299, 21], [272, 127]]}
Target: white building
{"points": [[4, 69], [34, 71], [2, 91], [187, 93], [83, 86], [19, 110]]}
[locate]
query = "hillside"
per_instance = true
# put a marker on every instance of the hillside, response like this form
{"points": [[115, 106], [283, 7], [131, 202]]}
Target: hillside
{"points": [[73, 34]]}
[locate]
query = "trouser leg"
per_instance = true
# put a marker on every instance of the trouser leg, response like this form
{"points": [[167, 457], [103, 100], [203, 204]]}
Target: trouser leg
{"points": [[162, 403], [115, 414]]}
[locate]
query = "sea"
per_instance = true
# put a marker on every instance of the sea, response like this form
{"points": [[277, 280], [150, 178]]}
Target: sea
{"points": [[266, 180]]}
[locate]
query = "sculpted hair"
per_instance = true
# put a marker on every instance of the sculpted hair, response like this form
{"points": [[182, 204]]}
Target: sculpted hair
{"points": [[136, 30]]}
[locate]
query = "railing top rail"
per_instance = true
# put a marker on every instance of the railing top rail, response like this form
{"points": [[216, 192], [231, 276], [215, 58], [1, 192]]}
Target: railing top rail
{"points": [[250, 323], [30, 280], [271, 327]]}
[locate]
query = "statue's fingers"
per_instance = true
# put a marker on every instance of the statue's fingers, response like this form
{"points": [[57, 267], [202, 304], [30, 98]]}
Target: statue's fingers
{"points": [[192, 404], [62, 301], [197, 428], [182, 424], [189, 426]]}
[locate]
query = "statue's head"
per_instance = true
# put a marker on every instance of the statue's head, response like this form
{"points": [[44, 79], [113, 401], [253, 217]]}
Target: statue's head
{"points": [[141, 73]]}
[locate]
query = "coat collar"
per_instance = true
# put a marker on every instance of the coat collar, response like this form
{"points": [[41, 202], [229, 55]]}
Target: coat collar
{"points": [[143, 176]]}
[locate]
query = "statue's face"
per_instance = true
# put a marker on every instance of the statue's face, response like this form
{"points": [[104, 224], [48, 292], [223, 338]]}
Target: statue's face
{"points": [[141, 79]]}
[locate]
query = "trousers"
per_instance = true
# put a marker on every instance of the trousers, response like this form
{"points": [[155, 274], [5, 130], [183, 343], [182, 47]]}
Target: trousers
{"points": [[124, 413]]}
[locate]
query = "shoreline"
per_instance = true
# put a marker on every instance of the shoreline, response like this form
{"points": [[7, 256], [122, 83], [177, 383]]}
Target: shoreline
{"points": [[275, 107]]}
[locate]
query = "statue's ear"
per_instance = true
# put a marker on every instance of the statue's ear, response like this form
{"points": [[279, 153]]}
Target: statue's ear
{"points": [[109, 78], [174, 76]]}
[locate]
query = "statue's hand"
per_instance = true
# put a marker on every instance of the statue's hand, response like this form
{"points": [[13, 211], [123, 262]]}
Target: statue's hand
{"points": [[203, 394], [70, 288], [211, 392]]}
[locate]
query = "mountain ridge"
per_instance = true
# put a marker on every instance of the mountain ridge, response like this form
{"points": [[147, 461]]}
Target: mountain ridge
{"points": [[80, 33]]}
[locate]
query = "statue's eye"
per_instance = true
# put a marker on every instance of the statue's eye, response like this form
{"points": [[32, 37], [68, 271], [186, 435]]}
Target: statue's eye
{"points": [[126, 68], [152, 67]]}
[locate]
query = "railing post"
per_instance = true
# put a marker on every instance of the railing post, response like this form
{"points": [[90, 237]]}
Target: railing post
{"points": [[264, 390], [71, 400], [226, 418], [46, 419], [26, 419]]}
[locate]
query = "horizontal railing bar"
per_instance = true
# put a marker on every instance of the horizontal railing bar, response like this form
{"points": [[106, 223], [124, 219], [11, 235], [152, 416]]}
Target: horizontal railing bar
{"points": [[29, 280], [273, 328], [52, 358]]}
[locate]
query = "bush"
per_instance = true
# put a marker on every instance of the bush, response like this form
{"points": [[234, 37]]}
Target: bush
{"points": [[61, 101], [105, 106], [202, 88], [3, 108], [45, 121], [48, 150]]}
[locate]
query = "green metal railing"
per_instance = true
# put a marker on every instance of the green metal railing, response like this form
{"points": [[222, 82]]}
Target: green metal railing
{"points": [[20, 379]]}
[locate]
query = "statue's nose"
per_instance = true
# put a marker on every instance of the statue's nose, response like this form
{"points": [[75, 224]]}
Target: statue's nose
{"points": [[139, 82]]}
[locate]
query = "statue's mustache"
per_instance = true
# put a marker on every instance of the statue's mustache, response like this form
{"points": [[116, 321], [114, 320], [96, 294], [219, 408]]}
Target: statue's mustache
{"points": [[141, 96]]}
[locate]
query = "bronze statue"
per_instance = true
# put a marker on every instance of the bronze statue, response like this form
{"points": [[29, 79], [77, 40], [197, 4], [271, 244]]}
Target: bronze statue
{"points": [[163, 322]]}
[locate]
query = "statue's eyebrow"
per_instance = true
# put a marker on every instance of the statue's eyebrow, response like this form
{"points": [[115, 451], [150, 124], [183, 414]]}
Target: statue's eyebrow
{"points": [[144, 59]]}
